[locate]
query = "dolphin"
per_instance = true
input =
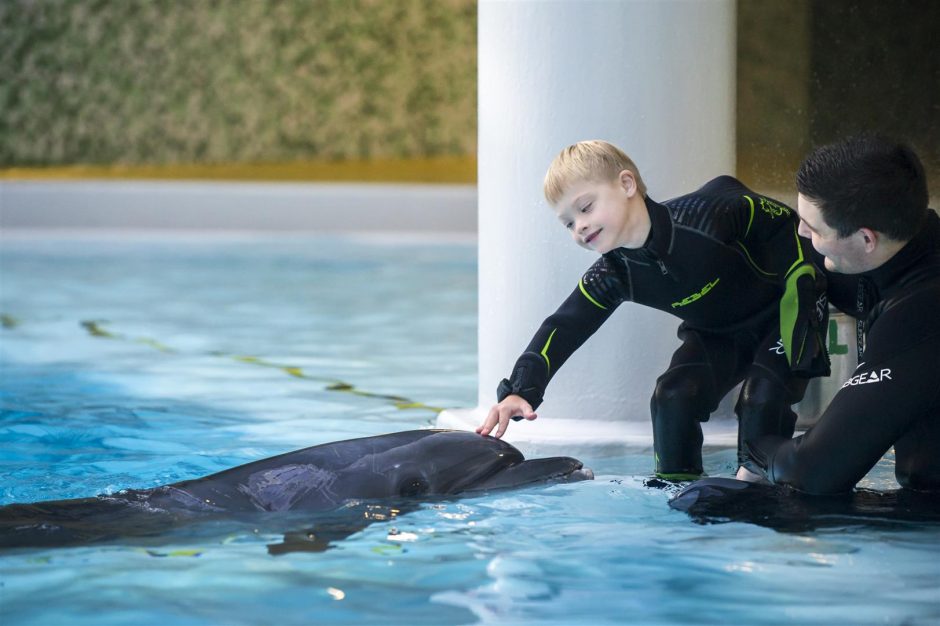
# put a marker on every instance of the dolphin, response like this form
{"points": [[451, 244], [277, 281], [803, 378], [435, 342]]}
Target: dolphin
{"points": [[334, 477], [718, 500]]}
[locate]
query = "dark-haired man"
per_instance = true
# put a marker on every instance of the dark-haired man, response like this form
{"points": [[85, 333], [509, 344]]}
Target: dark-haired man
{"points": [[863, 202]]}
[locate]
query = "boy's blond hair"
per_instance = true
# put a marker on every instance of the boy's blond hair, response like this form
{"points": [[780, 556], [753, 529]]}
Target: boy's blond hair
{"points": [[595, 160]]}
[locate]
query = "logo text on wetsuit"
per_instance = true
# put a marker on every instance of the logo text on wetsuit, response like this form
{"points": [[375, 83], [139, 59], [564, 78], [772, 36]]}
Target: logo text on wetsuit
{"points": [[772, 208], [868, 377], [822, 305], [695, 296]]}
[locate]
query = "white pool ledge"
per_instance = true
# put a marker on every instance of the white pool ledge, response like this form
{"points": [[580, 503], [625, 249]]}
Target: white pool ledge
{"points": [[583, 434], [240, 206]]}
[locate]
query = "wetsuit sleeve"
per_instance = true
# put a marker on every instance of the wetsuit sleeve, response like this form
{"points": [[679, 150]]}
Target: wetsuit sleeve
{"points": [[896, 385], [841, 289], [767, 234], [598, 293]]}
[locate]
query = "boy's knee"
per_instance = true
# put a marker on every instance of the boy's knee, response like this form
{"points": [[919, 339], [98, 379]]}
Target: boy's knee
{"points": [[678, 393], [678, 404]]}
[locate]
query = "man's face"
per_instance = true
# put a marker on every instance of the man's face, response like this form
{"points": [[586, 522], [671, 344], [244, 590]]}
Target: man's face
{"points": [[846, 255], [597, 214]]}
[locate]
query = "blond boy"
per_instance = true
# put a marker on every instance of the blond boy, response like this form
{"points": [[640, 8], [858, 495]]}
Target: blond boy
{"points": [[725, 260]]}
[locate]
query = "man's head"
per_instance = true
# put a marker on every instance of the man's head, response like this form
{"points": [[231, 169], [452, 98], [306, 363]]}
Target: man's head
{"points": [[597, 193], [860, 200]]}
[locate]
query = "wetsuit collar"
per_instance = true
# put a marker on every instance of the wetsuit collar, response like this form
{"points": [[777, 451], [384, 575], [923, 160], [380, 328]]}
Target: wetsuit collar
{"points": [[926, 241], [659, 241]]}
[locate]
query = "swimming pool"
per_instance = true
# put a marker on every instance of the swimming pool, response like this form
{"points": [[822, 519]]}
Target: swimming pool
{"points": [[145, 359]]}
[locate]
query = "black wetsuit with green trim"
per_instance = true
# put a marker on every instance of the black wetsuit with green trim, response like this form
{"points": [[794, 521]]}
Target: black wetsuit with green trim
{"points": [[893, 397], [729, 263]]}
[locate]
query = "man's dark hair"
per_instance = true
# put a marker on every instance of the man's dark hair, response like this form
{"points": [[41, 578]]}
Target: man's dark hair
{"points": [[866, 181]]}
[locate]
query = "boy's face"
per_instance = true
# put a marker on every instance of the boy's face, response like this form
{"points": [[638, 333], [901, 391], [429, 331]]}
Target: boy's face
{"points": [[602, 216]]}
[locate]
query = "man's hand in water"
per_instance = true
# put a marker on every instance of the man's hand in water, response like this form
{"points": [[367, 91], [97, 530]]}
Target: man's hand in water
{"points": [[748, 476]]}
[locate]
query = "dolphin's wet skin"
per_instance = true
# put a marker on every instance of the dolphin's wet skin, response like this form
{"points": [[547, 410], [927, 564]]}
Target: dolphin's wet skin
{"points": [[346, 485]]}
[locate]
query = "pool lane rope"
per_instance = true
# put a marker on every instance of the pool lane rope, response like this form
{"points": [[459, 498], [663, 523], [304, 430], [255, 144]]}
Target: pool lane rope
{"points": [[96, 329]]}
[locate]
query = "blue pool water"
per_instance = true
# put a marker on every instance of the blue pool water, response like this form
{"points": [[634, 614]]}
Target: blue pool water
{"points": [[199, 353]]}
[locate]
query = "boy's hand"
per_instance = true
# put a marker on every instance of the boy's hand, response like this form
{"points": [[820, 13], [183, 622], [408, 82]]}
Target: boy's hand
{"points": [[511, 406]]}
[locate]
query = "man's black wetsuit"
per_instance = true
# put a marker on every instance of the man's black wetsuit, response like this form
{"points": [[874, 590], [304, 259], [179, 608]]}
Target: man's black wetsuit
{"points": [[893, 397], [729, 263]]}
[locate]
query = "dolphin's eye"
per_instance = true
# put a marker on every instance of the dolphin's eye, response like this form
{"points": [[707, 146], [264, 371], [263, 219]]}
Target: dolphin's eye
{"points": [[413, 487]]}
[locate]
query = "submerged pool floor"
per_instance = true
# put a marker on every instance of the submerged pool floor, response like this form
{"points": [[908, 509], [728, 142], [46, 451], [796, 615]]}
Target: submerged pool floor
{"points": [[128, 363]]}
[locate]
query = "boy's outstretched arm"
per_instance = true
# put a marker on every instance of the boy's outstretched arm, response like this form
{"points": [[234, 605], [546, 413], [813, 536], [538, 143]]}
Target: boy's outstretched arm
{"points": [[579, 316], [499, 416]]}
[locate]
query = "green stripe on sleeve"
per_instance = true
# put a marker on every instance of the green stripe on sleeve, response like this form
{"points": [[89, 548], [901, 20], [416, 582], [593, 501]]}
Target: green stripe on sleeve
{"points": [[751, 219], [588, 296], [544, 351], [799, 249], [789, 311]]}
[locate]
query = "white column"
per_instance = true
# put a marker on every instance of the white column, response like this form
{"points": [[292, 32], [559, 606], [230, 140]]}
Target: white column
{"points": [[656, 78]]}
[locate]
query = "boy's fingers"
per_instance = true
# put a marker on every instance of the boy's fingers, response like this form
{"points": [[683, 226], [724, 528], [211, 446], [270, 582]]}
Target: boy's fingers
{"points": [[499, 417], [503, 423], [492, 419], [523, 413], [504, 414], [526, 411]]}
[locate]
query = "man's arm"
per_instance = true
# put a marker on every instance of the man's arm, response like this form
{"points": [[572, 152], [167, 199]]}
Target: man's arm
{"points": [[895, 385]]}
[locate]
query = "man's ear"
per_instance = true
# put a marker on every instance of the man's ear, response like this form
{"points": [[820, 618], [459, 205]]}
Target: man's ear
{"points": [[869, 238], [628, 181]]}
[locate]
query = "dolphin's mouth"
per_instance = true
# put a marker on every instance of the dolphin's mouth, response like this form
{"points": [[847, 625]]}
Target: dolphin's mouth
{"points": [[573, 473], [585, 473], [557, 469]]}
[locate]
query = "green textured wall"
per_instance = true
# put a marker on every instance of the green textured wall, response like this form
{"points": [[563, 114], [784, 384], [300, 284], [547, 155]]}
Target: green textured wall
{"points": [[386, 89], [184, 81]]}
